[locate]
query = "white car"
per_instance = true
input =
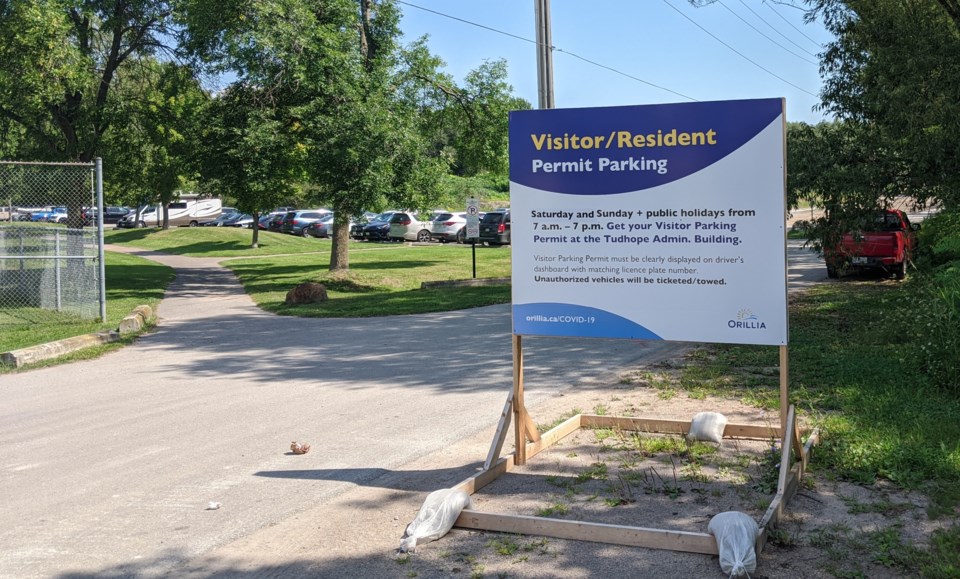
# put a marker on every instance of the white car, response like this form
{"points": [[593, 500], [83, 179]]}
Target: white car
{"points": [[404, 226], [449, 226]]}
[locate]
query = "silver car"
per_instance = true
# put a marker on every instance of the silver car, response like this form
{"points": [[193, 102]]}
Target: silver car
{"points": [[449, 226], [405, 226]]}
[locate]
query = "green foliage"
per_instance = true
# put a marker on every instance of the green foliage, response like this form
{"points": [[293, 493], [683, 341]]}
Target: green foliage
{"points": [[893, 73], [60, 61], [493, 191]]}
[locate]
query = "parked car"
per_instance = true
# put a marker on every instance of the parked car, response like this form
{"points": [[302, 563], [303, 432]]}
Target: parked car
{"points": [[294, 222], [276, 221], [222, 219], [111, 215], [378, 229], [52, 215], [264, 222], [885, 241], [239, 220], [449, 226], [405, 226], [58, 215], [323, 227], [495, 227]]}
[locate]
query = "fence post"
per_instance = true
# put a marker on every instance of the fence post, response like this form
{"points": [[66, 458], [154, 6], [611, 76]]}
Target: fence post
{"points": [[103, 270], [56, 268]]}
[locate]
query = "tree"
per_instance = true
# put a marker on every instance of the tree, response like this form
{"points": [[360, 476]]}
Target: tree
{"points": [[366, 144], [894, 71], [249, 151], [58, 66], [151, 158]]}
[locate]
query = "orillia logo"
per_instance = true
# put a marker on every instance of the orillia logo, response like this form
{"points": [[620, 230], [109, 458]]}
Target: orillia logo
{"points": [[746, 321]]}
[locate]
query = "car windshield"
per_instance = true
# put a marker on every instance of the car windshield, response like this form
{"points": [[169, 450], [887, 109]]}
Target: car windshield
{"points": [[443, 216], [492, 217]]}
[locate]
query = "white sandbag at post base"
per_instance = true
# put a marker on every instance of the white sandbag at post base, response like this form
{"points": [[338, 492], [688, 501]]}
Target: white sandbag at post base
{"points": [[736, 535], [435, 518], [707, 426]]}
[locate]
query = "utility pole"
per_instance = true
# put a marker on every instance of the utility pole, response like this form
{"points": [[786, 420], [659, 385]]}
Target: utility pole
{"points": [[544, 55]]}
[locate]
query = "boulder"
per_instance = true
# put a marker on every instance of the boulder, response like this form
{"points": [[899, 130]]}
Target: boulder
{"points": [[306, 293]]}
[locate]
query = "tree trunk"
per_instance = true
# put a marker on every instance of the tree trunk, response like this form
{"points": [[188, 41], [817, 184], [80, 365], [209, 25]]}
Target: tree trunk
{"points": [[339, 254], [255, 242]]}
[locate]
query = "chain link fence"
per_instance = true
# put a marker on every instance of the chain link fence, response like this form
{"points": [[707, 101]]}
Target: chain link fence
{"points": [[51, 243]]}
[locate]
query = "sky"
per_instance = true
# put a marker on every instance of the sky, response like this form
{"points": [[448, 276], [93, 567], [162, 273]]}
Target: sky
{"points": [[661, 51]]}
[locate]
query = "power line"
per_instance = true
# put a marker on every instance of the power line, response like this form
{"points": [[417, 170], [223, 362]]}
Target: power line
{"points": [[743, 56], [757, 30], [774, 28], [534, 42], [770, 6]]}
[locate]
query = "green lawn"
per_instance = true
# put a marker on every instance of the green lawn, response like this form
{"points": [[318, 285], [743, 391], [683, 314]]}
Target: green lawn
{"points": [[214, 241], [384, 279]]}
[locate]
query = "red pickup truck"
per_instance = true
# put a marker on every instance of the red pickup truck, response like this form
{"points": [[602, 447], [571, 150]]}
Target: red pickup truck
{"points": [[885, 242]]}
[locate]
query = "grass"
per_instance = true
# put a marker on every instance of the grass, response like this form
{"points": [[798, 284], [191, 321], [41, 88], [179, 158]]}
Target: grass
{"points": [[854, 373], [215, 241], [131, 281], [383, 279]]}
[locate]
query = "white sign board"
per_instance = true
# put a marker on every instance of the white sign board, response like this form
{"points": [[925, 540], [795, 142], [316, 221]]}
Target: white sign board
{"points": [[473, 218], [661, 222]]}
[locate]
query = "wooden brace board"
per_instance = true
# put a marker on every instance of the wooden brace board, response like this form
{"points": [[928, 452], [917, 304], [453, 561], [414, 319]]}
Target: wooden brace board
{"points": [[626, 535]]}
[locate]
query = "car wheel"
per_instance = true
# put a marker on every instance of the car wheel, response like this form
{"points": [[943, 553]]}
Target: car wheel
{"points": [[142, 224], [423, 236], [193, 224], [462, 235], [304, 232], [900, 270]]}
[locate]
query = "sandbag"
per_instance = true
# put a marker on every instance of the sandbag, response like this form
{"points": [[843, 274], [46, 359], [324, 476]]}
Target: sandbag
{"points": [[707, 426], [435, 518], [736, 535]]}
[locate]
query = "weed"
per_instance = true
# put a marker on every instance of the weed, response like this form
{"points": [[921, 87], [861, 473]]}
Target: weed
{"points": [[402, 559], [564, 417], [768, 467], [782, 538], [504, 545], [883, 506], [554, 509], [600, 410], [596, 471]]}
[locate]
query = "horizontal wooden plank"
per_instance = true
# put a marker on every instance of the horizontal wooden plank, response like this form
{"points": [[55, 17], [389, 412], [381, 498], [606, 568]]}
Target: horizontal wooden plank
{"points": [[487, 476], [668, 426], [553, 436], [585, 531]]}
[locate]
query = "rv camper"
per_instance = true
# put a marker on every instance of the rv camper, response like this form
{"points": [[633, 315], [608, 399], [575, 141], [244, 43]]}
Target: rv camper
{"points": [[187, 210]]}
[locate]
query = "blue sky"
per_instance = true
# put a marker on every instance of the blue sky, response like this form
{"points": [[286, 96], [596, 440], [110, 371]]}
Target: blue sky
{"points": [[731, 49]]}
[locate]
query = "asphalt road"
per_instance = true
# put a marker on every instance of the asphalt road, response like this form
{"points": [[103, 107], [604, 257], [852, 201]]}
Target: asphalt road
{"points": [[107, 466]]}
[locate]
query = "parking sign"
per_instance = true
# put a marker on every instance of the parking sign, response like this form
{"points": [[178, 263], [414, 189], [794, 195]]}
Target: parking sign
{"points": [[473, 218]]}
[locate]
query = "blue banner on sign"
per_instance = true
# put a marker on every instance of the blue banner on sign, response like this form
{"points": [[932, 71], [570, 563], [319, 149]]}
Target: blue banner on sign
{"points": [[600, 151]]}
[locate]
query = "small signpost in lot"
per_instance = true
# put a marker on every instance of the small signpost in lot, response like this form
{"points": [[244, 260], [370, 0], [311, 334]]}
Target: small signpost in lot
{"points": [[473, 228]]}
